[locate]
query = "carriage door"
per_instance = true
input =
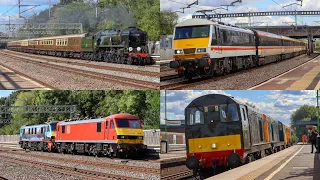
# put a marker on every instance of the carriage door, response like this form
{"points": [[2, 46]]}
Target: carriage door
{"points": [[219, 36], [106, 132], [245, 127]]}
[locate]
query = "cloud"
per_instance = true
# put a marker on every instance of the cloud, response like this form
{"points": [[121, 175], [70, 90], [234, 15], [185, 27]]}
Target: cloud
{"points": [[277, 104], [245, 6]]}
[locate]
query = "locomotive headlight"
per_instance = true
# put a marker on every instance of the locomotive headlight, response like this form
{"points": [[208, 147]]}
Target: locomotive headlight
{"points": [[140, 137], [121, 137], [201, 50], [178, 51], [130, 49], [214, 146], [139, 48]]}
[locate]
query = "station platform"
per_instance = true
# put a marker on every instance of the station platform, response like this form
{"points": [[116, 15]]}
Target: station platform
{"points": [[303, 77], [173, 156], [295, 163]]}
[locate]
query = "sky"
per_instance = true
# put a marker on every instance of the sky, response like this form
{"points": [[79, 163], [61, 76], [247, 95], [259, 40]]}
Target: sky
{"points": [[5, 93], [277, 104], [246, 6]]}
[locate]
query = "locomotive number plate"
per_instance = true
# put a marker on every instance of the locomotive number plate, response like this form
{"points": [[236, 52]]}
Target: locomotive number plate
{"points": [[216, 108]]}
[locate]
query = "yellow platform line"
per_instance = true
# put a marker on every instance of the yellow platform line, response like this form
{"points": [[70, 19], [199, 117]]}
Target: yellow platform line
{"points": [[318, 86], [305, 80], [258, 172]]}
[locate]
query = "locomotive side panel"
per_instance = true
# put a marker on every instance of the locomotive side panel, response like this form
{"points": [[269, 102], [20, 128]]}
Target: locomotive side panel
{"points": [[256, 127]]}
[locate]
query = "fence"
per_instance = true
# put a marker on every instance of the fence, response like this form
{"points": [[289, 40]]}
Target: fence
{"points": [[174, 138], [166, 52], [151, 137]]}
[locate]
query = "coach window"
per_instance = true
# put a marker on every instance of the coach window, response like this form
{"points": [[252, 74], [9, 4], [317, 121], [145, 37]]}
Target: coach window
{"points": [[99, 127], [41, 130], [107, 122], [29, 131], [63, 129]]}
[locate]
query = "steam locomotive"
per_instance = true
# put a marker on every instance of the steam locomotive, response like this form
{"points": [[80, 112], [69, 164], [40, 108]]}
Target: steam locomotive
{"points": [[128, 46]]}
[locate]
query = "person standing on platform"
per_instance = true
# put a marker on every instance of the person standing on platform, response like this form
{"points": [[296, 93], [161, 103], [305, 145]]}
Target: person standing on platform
{"points": [[313, 138], [303, 139]]}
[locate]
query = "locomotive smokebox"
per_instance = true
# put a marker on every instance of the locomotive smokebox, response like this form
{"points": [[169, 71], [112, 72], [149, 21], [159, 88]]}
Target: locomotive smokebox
{"points": [[192, 163], [233, 160]]}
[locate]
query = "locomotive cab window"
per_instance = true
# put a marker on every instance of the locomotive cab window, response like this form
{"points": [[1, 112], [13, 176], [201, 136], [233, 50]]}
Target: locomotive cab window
{"points": [[195, 116], [111, 124], [214, 39], [228, 113]]}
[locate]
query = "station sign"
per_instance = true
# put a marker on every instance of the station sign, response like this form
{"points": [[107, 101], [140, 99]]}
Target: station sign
{"points": [[173, 123]]}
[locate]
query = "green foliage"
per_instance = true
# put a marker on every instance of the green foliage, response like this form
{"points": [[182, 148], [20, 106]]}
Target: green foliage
{"points": [[168, 20], [304, 113], [295, 139], [143, 14], [145, 104]]}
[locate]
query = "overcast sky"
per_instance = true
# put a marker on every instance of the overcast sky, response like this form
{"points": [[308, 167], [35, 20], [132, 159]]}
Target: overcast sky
{"points": [[246, 6], [278, 104]]}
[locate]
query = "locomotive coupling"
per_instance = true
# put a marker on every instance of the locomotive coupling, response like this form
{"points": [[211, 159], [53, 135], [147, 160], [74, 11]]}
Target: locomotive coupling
{"points": [[192, 163]]}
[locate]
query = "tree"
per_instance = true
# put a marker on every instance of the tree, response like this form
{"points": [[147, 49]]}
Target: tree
{"points": [[96, 103], [168, 20], [305, 113]]}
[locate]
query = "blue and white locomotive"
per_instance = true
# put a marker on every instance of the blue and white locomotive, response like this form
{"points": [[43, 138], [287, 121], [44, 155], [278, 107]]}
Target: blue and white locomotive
{"points": [[38, 137]]}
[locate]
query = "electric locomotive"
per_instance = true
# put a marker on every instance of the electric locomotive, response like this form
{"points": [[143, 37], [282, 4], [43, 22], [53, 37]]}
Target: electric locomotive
{"points": [[222, 132], [208, 48], [118, 135], [38, 137]]}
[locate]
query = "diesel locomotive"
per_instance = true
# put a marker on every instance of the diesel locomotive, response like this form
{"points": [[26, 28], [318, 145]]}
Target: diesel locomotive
{"points": [[223, 133], [208, 48], [127, 46], [118, 135]]}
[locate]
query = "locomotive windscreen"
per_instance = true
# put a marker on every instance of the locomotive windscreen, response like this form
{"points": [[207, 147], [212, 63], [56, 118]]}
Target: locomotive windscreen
{"points": [[122, 123], [192, 32], [222, 113]]}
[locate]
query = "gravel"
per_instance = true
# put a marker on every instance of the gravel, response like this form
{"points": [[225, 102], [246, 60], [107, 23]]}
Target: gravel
{"points": [[13, 171], [106, 72], [155, 165], [134, 67], [253, 77], [58, 78], [89, 167]]}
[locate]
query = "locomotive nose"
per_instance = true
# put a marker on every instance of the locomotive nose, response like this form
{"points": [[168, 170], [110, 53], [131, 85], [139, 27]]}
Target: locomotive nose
{"points": [[233, 160], [192, 163]]}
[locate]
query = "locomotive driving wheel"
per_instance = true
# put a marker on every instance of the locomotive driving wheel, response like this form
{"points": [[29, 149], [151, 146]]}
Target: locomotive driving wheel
{"points": [[129, 60]]}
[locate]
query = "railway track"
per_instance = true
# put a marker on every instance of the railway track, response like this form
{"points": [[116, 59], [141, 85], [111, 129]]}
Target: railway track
{"points": [[151, 171], [77, 172], [198, 81], [139, 84], [102, 66]]}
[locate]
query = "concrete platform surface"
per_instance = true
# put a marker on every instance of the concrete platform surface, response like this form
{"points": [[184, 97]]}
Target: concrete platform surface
{"points": [[303, 77], [255, 169]]}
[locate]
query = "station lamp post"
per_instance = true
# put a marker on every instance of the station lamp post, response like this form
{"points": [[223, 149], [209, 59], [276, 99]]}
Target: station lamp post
{"points": [[165, 114], [318, 123]]}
